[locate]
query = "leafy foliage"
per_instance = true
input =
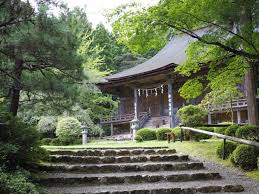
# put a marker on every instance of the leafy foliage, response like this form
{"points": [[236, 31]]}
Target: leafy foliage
{"points": [[191, 89], [231, 130], [177, 132], [161, 133], [138, 138], [229, 148], [19, 143], [250, 132], [245, 157], [192, 115], [220, 130], [16, 183], [146, 134], [68, 129], [47, 126]]}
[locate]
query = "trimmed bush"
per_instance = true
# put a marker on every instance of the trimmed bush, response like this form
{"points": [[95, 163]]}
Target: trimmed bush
{"points": [[200, 136], [177, 132], [68, 130], [192, 115], [161, 133], [138, 138], [46, 141], [56, 142], [231, 130], [146, 134], [249, 132], [220, 130], [229, 148], [245, 157]]}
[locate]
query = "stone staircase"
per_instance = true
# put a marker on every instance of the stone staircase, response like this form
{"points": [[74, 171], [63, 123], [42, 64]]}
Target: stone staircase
{"points": [[131, 170], [158, 122]]}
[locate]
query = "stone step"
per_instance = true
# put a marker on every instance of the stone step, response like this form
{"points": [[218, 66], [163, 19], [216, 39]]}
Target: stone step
{"points": [[116, 159], [113, 152], [126, 178], [122, 167], [111, 148], [163, 187]]}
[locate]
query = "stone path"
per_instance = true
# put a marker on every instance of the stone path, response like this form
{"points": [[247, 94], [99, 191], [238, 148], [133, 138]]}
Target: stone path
{"points": [[134, 171]]}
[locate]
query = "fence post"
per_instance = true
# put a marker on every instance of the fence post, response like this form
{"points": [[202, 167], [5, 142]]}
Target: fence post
{"points": [[224, 149]]}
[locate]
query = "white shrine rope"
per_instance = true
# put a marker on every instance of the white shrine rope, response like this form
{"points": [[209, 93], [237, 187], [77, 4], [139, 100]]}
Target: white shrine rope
{"points": [[147, 91]]}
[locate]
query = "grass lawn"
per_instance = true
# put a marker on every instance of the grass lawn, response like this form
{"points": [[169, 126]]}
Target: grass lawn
{"points": [[205, 149]]}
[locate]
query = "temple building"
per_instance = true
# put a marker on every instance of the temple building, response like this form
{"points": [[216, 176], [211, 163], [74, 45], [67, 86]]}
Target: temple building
{"points": [[149, 92]]}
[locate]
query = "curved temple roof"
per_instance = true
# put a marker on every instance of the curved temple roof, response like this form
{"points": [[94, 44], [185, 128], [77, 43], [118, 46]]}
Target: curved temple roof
{"points": [[172, 53]]}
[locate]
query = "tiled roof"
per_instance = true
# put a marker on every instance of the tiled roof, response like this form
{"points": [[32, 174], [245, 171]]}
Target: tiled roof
{"points": [[172, 53]]}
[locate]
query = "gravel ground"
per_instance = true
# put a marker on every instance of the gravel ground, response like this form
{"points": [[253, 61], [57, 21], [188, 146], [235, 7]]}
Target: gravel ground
{"points": [[232, 175]]}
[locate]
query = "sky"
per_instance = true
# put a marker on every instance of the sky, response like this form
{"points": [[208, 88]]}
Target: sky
{"points": [[96, 8]]}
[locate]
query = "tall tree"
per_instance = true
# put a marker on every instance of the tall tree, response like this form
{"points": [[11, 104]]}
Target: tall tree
{"points": [[40, 60], [229, 48]]}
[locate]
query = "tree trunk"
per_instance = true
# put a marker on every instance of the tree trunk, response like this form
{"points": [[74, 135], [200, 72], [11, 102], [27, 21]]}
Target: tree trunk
{"points": [[16, 88], [250, 77], [252, 107]]}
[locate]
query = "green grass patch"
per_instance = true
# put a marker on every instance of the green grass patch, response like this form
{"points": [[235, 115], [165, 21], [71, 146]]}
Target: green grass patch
{"points": [[205, 149]]}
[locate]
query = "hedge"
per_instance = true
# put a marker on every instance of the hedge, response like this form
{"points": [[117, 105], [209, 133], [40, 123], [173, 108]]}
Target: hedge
{"points": [[161, 133], [231, 130], [229, 148], [245, 157], [249, 132], [146, 134]]}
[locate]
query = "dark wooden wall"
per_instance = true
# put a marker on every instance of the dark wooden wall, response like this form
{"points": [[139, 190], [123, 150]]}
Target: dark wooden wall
{"points": [[157, 105]]}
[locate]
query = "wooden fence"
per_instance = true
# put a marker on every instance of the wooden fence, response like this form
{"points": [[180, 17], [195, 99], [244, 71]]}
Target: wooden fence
{"points": [[221, 136]]}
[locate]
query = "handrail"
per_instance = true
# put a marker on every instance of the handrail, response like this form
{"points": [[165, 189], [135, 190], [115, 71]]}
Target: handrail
{"points": [[240, 103], [125, 117], [224, 137], [143, 119]]}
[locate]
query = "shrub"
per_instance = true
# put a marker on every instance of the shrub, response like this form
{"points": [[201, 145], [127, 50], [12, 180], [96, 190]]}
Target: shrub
{"points": [[16, 183], [200, 136], [249, 132], [231, 130], [138, 138], [245, 157], [192, 115], [146, 134], [68, 130], [56, 142], [47, 126], [46, 141], [177, 132], [161, 133], [220, 130], [19, 143], [229, 148]]}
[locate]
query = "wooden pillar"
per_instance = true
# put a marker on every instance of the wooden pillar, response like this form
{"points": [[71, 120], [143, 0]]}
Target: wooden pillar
{"points": [[238, 117], [161, 105], [136, 108], [209, 119], [170, 103], [111, 129]]}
